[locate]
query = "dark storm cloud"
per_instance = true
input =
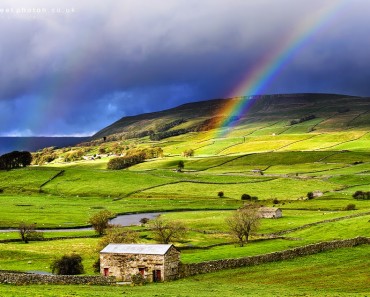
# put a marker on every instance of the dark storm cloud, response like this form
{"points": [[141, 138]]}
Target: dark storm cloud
{"points": [[83, 64]]}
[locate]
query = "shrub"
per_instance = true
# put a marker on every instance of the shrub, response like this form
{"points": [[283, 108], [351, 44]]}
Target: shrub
{"points": [[350, 206], [68, 265], [220, 194], [275, 201], [138, 280], [246, 197], [310, 195], [144, 221], [1, 190]]}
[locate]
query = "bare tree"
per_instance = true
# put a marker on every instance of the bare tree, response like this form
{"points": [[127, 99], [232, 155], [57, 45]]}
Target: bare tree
{"points": [[167, 231], [244, 222], [100, 221], [28, 232]]}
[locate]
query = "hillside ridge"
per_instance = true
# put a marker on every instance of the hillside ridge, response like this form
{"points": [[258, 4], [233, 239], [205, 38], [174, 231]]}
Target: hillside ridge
{"points": [[143, 124]]}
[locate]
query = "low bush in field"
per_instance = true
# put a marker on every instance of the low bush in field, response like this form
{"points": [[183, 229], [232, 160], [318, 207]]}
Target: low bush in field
{"points": [[350, 206], [360, 195], [68, 265]]}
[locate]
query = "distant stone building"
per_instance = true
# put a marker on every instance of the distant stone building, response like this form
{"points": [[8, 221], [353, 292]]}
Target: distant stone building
{"points": [[155, 262], [270, 212]]}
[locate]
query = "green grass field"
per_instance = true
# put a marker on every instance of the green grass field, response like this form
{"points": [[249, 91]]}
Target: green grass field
{"points": [[342, 272], [263, 156]]}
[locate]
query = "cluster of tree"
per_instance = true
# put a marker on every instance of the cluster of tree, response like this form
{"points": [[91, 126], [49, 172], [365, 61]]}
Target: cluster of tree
{"points": [[47, 155], [360, 195], [244, 222], [74, 155], [303, 119], [133, 157], [170, 125], [125, 162], [208, 124], [166, 134], [249, 197], [68, 265], [188, 153], [15, 160], [149, 153]]}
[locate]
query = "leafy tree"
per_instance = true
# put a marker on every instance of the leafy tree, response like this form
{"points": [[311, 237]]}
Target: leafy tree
{"points": [[28, 233], [100, 221], [180, 165], [68, 265], [188, 153], [220, 194], [244, 222], [246, 197], [310, 195], [167, 231]]}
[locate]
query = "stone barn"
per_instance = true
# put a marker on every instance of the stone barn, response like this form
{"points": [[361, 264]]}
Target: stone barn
{"points": [[270, 212], [155, 262]]}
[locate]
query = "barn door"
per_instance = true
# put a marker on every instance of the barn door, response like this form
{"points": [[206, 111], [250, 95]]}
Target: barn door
{"points": [[106, 271], [157, 277]]}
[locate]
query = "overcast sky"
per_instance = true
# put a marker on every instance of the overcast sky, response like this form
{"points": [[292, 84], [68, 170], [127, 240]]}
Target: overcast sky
{"points": [[74, 67]]}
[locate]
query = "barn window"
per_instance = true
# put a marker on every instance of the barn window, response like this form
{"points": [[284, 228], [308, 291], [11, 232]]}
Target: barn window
{"points": [[142, 271]]}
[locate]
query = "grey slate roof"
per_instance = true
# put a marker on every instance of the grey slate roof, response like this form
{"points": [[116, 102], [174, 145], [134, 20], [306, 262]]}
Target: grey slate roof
{"points": [[268, 209], [145, 249]]}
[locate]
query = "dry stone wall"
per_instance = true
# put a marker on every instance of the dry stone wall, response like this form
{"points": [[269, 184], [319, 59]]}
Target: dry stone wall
{"points": [[216, 265], [28, 279]]}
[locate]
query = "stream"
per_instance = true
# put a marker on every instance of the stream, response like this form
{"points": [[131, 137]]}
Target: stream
{"points": [[122, 220]]}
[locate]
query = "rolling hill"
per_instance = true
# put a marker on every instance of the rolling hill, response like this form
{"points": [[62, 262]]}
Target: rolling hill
{"points": [[348, 111]]}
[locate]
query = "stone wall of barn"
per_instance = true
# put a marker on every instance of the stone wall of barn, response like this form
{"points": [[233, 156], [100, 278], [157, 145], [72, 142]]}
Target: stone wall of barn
{"points": [[171, 264], [123, 266]]}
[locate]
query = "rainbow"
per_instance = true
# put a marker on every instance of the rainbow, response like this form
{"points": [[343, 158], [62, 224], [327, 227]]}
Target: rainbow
{"points": [[257, 79]]}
